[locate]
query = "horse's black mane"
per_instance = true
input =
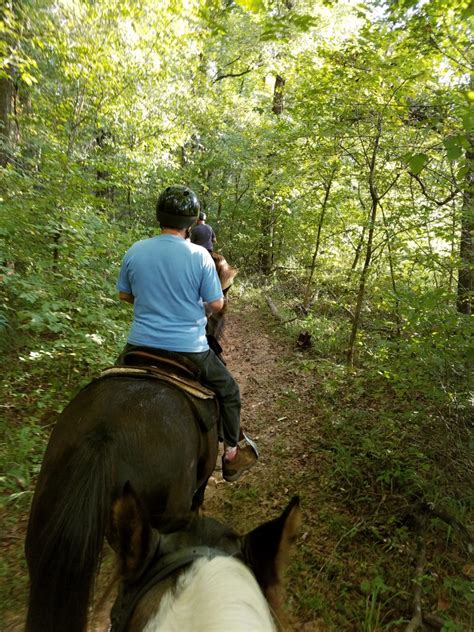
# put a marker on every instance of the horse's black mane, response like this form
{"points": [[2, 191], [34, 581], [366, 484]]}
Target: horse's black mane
{"points": [[199, 531]]}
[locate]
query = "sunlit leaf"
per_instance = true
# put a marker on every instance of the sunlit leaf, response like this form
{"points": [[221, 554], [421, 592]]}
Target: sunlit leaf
{"points": [[252, 5], [453, 153], [454, 147], [416, 162]]}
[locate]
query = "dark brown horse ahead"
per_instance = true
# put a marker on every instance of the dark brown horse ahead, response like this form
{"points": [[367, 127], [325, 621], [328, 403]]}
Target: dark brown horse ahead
{"points": [[117, 429]]}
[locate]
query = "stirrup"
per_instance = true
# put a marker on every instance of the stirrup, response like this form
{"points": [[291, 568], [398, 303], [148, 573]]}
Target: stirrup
{"points": [[250, 442]]}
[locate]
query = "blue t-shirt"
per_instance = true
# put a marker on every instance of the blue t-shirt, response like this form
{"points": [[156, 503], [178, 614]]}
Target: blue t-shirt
{"points": [[170, 278]]}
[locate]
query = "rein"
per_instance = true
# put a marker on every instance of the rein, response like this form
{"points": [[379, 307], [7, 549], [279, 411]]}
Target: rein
{"points": [[125, 604]]}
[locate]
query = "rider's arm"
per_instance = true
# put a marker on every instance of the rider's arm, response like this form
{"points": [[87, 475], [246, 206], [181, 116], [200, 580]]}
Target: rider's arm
{"points": [[215, 306], [125, 296]]}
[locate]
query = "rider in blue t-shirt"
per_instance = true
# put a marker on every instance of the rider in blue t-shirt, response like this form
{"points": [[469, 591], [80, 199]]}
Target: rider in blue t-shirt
{"points": [[171, 279], [171, 283]]}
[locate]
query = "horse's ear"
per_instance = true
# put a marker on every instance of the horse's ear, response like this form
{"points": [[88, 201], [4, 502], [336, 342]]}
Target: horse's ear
{"points": [[130, 533], [267, 550]]}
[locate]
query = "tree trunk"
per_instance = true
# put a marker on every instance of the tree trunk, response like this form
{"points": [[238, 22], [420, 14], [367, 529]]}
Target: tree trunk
{"points": [[398, 316], [278, 94], [368, 254], [6, 109], [324, 204], [358, 251], [266, 239], [7, 100], [104, 190], [466, 247], [265, 255], [219, 199]]}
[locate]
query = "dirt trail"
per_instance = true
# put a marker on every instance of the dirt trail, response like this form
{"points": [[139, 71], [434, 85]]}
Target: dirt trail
{"points": [[278, 411], [255, 358]]}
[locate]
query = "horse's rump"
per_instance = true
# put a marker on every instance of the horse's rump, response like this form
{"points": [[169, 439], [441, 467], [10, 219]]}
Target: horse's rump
{"points": [[115, 430], [225, 271]]}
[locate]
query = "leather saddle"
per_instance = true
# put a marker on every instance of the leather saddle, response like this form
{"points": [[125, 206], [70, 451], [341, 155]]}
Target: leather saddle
{"points": [[165, 367]]}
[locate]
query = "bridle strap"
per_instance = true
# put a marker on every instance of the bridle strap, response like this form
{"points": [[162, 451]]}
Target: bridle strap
{"points": [[125, 605]]}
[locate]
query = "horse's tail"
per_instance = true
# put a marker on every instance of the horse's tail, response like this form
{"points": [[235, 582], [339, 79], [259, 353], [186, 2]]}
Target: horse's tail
{"points": [[65, 536]]}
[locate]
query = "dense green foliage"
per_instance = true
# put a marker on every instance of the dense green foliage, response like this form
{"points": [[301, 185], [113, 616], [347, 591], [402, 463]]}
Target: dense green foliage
{"points": [[331, 144]]}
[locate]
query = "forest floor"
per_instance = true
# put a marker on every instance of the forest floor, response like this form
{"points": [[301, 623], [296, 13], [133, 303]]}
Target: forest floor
{"points": [[342, 575]]}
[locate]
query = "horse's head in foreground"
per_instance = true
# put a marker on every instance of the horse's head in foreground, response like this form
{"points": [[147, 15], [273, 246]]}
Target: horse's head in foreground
{"points": [[203, 577]]}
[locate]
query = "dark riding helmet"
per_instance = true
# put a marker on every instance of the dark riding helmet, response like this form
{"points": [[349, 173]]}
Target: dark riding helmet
{"points": [[177, 207], [202, 216]]}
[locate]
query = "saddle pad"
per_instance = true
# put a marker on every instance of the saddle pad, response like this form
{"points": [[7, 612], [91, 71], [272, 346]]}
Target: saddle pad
{"points": [[191, 387]]}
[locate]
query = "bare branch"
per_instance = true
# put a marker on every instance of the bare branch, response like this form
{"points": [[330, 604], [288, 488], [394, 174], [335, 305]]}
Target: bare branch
{"points": [[429, 197], [233, 74], [453, 59], [451, 520], [392, 184], [232, 62]]}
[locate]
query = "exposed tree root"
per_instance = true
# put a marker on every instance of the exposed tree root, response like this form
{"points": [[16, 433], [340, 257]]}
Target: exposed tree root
{"points": [[417, 619], [451, 520], [433, 621]]}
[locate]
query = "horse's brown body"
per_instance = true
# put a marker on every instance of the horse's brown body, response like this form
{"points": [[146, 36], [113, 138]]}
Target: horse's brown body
{"points": [[116, 430]]}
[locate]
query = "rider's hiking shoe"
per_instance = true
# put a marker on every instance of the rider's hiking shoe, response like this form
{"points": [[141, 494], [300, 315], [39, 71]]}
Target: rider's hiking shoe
{"points": [[245, 459]]}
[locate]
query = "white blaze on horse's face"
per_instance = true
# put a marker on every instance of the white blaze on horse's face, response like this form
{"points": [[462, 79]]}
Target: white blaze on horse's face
{"points": [[213, 595], [222, 582]]}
